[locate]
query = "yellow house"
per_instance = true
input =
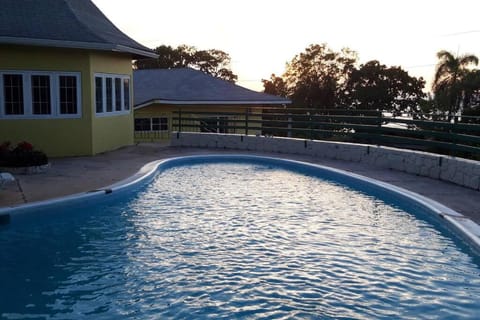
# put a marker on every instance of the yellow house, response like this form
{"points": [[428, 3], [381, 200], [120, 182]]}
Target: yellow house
{"points": [[206, 103], [65, 77]]}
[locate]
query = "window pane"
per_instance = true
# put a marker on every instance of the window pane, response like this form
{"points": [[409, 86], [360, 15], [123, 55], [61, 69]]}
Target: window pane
{"points": [[160, 124], [108, 85], [155, 124], [142, 124], [13, 93], [164, 124], [41, 100], [98, 94], [118, 94], [126, 94], [68, 94]]}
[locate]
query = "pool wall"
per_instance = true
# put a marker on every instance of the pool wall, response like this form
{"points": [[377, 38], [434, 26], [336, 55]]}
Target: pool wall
{"points": [[460, 171], [459, 224]]}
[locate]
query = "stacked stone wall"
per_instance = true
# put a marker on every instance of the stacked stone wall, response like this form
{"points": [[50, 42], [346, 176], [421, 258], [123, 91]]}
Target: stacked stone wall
{"points": [[460, 171]]}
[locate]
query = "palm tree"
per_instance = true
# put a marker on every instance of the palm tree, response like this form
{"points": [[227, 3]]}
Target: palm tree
{"points": [[450, 75]]}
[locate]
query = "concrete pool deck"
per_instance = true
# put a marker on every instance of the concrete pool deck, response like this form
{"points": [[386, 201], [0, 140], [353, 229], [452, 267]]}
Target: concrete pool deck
{"points": [[80, 174]]}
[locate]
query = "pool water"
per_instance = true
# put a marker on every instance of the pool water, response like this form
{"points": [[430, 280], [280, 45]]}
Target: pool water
{"points": [[236, 240]]}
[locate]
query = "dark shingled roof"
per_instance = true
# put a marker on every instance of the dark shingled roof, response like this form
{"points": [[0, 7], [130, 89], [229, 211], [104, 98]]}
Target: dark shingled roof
{"points": [[189, 86], [63, 23]]}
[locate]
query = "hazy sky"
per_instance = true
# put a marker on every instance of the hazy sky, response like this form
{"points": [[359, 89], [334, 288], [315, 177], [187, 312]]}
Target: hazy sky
{"points": [[262, 35]]}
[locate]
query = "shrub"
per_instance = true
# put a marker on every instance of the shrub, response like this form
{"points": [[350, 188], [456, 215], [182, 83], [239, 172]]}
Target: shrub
{"points": [[23, 155], [23, 146], [4, 149], [4, 153]]}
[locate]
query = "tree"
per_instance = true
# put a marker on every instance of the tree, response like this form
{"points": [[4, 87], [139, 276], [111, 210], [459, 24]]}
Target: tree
{"points": [[471, 91], [168, 58], [315, 77], [276, 86], [450, 75], [213, 62], [375, 86]]}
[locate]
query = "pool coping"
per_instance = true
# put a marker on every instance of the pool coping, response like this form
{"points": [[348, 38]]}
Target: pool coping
{"points": [[464, 226]]}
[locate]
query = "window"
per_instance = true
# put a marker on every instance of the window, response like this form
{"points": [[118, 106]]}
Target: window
{"points": [[112, 94], [142, 124], [68, 95], [109, 84], [13, 93], [118, 94], [32, 94], [159, 124], [126, 93], [151, 124], [41, 98], [98, 94]]}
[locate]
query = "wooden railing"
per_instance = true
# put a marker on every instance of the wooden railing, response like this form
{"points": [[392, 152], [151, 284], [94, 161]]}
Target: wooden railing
{"points": [[360, 126]]}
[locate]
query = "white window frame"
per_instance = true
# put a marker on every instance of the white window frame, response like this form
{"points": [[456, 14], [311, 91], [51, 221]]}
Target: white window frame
{"points": [[3, 113], [54, 95], [159, 124], [151, 124], [79, 95], [114, 112]]}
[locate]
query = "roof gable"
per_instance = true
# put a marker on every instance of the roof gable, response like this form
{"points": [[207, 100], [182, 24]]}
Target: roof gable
{"points": [[189, 86], [63, 23]]}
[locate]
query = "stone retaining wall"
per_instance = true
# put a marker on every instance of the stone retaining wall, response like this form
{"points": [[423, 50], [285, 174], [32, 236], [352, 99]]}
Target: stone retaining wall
{"points": [[457, 170], [26, 170]]}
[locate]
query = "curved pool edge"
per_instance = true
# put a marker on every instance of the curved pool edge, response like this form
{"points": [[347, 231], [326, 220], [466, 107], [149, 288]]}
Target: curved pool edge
{"points": [[461, 225], [141, 176]]}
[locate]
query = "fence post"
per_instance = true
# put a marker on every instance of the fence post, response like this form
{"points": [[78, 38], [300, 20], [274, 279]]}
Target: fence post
{"points": [[246, 121], [289, 134], [311, 126], [180, 120]]}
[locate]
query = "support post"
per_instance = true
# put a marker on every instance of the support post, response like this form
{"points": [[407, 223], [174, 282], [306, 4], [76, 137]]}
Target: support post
{"points": [[246, 121], [311, 126], [180, 120], [289, 133]]}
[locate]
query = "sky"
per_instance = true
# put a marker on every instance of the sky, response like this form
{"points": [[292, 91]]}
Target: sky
{"points": [[261, 36]]}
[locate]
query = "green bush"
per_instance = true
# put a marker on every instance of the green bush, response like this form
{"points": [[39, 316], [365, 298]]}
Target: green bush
{"points": [[23, 155]]}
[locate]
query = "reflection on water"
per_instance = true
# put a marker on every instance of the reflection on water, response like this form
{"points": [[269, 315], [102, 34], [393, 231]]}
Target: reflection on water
{"points": [[233, 241]]}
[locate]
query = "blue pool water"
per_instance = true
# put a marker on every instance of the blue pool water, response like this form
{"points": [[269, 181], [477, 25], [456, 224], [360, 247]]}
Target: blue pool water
{"points": [[236, 240]]}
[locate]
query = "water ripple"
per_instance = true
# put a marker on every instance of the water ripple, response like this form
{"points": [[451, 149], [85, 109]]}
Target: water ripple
{"points": [[224, 241]]}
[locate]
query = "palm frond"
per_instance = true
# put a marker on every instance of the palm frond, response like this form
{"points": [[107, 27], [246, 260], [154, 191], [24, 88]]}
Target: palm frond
{"points": [[468, 59], [445, 55]]}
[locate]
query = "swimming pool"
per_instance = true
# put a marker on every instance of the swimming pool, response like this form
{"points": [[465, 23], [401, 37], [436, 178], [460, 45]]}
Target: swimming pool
{"points": [[235, 237]]}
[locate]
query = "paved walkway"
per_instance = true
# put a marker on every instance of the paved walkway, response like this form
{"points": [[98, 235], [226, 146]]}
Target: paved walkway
{"points": [[80, 174]]}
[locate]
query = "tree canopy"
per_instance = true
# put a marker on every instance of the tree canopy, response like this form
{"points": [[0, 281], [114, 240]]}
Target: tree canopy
{"points": [[316, 76], [276, 86], [321, 77], [375, 86], [471, 91], [214, 62], [455, 84]]}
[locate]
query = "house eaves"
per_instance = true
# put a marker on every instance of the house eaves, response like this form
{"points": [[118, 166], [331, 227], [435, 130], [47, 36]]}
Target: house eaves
{"points": [[185, 86], [211, 102], [76, 24]]}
